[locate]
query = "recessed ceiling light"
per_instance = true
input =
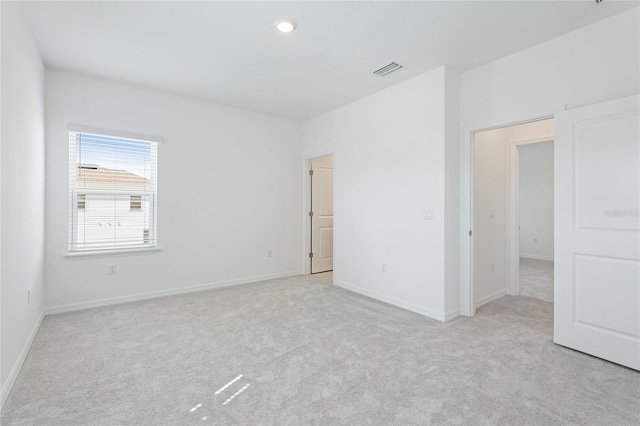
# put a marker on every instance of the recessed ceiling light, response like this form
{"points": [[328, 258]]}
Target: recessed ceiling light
{"points": [[285, 25]]}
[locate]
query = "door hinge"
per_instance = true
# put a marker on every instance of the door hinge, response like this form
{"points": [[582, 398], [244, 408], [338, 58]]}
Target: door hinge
{"points": [[310, 172], [470, 233], [310, 214], [311, 254]]}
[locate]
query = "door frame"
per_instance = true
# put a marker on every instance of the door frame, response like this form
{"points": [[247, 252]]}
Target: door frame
{"points": [[513, 218], [306, 222], [467, 302]]}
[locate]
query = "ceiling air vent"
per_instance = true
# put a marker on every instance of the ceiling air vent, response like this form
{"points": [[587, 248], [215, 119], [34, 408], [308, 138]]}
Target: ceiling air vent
{"points": [[387, 69]]}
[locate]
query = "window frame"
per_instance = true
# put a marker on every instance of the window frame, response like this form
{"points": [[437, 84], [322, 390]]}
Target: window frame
{"points": [[150, 232]]}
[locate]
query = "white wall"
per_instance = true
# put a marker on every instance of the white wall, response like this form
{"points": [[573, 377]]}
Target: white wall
{"points": [[535, 200], [389, 169], [228, 190], [491, 183], [591, 65], [22, 190], [452, 194], [489, 216]]}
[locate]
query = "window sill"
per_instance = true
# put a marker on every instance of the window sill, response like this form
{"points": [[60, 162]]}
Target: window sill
{"points": [[112, 253]]}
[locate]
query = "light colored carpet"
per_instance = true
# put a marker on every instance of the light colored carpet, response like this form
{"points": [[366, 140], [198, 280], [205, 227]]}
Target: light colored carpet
{"points": [[536, 279], [311, 353]]}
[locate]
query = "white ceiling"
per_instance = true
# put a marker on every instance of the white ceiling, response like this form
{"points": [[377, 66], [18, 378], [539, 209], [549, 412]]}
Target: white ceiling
{"points": [[230, 52]]}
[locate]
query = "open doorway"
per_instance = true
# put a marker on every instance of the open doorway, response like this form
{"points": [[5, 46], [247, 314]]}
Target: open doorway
{"points": [[507, 227], [320, 203], [596, 257]]}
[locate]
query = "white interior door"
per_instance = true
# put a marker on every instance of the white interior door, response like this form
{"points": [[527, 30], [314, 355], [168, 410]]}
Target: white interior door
{"points": [[597, 230], [322, 215]]}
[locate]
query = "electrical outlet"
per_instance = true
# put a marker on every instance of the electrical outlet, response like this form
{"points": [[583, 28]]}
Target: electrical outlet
{"points": [[384, 267], [493, 266], [113, 269], [269, 253], [28, 295]]}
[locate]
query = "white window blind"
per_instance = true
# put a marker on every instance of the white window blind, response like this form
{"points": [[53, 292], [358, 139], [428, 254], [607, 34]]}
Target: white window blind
{"points": [[112, 192]]}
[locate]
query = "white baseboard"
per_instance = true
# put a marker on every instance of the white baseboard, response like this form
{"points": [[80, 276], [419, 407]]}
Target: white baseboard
{"points": [[536, 257], [163, 293], [491, 297], [452, 314], [392, 301], [13, 375]]}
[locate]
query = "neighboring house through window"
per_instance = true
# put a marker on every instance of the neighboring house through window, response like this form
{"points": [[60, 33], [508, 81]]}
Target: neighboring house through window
{"points": [[135, 202], [112, 192]]}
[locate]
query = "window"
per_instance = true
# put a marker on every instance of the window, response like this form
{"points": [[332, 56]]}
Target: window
{"points": [[112, 192]]}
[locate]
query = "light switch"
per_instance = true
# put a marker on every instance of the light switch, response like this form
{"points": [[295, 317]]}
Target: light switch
{"points": [[428, 215]]}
